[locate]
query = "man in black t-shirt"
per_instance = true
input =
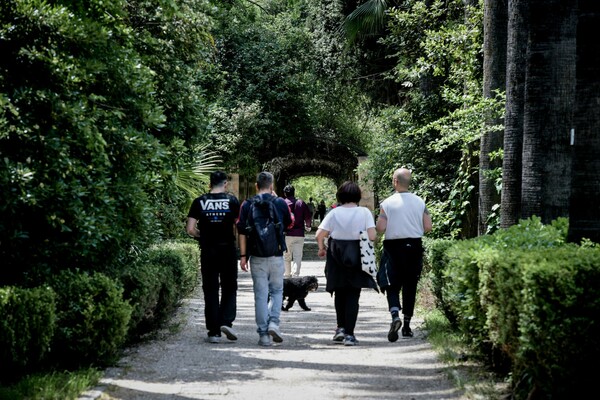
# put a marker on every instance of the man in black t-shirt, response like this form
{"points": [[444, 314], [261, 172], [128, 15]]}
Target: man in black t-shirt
{"points": [[211, 220]]}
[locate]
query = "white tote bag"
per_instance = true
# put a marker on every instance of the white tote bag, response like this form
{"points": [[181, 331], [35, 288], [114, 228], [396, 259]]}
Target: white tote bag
{"points": [[367, 254]]}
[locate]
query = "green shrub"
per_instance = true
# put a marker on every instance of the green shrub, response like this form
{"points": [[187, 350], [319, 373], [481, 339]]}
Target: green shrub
{"points": [[530, 234], [528, 301], [76, 174], [559, 328], [26, 328], [158, 281], [184, 259], [461, 289], [436, 262], [500, 298], [471, 274], [92, 319], [142, 283]]}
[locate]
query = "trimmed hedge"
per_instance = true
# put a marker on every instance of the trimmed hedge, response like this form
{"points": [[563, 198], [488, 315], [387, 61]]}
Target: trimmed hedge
{"points": [[158, 282], [142, 284], [83, 319], [436, 261], [559, 339], [527, 301], [92, 319], [457, 266], [183, 258], [26, 328]]}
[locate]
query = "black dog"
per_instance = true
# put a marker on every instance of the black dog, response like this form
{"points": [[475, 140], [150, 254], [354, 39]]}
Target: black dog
{"points": [[297, 288]]}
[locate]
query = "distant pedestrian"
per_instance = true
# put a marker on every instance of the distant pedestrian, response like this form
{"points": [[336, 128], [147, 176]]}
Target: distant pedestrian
{"points": [[311, 207], [294, 237], [321, 208], [345, 277], [262, 221], [404, 219], [211, 220]]}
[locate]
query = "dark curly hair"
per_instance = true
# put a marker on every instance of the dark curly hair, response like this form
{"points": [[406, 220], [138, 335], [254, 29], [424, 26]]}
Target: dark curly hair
{"points": [[289, 191]]}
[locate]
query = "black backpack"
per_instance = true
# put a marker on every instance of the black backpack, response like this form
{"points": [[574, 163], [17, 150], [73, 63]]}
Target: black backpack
{"points": [[264, 230]]}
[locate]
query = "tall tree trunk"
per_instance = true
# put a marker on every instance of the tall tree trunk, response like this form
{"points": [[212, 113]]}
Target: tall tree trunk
{"points": [[584, 215], [510, 210], [495, 20], [548, 113]]}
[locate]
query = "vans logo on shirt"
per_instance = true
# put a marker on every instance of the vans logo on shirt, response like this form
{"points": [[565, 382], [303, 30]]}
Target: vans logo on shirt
{"points": [[215, 205]]}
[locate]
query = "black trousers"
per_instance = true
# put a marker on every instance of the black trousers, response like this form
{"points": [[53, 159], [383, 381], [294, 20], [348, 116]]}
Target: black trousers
{"points": [[346, 308], [406, 265], [218, 268]]}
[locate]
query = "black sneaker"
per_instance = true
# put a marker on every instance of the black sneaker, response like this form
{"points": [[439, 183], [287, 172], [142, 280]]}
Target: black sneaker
{"points": [[407, 332], [394, 328], [340, 333]]}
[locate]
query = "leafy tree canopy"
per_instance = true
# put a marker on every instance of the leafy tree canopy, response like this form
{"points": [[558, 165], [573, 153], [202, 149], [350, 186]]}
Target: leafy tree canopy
{"points": [[95, 100]]}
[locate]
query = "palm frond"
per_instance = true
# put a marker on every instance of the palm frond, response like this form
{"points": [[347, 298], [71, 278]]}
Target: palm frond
{"points": [[367, 19], [194, 178]]}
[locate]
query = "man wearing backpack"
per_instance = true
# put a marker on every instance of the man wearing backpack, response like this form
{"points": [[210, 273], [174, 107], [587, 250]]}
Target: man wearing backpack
{"points": [[262, 221], [294, 237]]}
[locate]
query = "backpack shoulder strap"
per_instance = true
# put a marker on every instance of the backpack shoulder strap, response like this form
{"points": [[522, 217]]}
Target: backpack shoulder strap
{"points": [[253, 202], [273, 210]]}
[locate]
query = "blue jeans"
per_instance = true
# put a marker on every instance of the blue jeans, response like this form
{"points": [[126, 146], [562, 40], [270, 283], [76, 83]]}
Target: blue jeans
{"points": [[267, 279]]}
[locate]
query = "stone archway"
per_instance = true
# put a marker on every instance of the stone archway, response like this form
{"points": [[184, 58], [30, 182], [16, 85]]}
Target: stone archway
{"points": [[329, 159]]}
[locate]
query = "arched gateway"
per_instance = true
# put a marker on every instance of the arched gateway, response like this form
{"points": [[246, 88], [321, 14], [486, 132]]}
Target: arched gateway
{"points": [[332, 160]]}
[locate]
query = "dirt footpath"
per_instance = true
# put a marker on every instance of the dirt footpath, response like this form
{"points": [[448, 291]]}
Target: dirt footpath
{"points": [[307, 365]]}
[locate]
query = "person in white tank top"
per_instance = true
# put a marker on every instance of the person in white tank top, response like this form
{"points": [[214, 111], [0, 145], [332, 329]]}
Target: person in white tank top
{"points": [[404, 219]]}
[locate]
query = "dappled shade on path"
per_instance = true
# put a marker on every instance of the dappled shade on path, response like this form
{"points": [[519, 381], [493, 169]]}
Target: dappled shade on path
{"points": [[181, 365]]}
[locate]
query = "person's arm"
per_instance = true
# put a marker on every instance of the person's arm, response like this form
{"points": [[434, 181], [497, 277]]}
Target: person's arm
{"points": [[191, 228], [372, 233], [234, 205], [288, 218], [240, 225], [243, 254], [307, 217], [427, 224], [320, 236], [381, 221]]}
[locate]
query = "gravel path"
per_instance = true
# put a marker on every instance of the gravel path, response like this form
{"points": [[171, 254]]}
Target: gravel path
{"points": [[307, 365]]}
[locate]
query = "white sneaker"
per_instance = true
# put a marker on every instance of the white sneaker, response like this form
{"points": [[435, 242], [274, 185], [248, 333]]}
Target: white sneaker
{"points": [[264, 340], [275, 333], [213, 339], [350, 340], [229, 332]]}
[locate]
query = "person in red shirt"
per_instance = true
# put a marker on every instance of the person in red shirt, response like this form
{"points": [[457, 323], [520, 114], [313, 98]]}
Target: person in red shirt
{"points": [[294, 237]]}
